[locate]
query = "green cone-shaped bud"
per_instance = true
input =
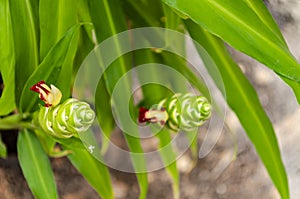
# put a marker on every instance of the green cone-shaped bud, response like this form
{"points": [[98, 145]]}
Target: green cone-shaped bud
{"points": [[66, 119], [186, 111], [181, 111]]}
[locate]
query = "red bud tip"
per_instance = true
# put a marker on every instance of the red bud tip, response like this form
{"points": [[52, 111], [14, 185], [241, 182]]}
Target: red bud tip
{"points": [[142, 115], [51, 96], [153, 115], [38, 86]]}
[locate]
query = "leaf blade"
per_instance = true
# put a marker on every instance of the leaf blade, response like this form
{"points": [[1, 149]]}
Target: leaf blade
{"points": [[238, 25], [7, 60], [48, 70], [55, 18], [93, 170], [25, 37], [262, 12], [36, 166], [108, 19], [243, 100]]}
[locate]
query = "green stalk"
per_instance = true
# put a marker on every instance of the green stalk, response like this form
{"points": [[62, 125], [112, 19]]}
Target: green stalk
{"points": [[16, 122]]}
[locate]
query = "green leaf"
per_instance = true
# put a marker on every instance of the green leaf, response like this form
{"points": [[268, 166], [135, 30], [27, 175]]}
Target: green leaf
{"points": [[93, 170], [3, 150], [7, 99], [294, 85], [179, 63], [25, 37], [36, 166], [139, 163], [85, 46], [64, 81], [48, 70], [260, 9], [173, 22], [148, 19], [108, 19], [56, 17], [153, 74], [46, 142], [7, 60], [262, 12], [244, 101], [152, 94], [104, 113], [71, 143], [148, 12], [84, 16], [169, 158], [236, 23]]}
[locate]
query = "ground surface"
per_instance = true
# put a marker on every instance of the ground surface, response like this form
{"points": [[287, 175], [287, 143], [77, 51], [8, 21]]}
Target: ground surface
{"points": [[215, 176]]}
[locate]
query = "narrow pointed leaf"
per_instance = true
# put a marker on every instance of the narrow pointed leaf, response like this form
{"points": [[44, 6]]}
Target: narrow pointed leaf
{"points": [[48, 70], [169, 158], [173, 22], [84, 16], [149, 12], [7, 60], [25, 37], [94, 171], [176, 62], [56, 17], [243, 100], [264, 15], [237, 24], [109, 20], [36, 166], [294, 85], [152, 94], [260, 9]]}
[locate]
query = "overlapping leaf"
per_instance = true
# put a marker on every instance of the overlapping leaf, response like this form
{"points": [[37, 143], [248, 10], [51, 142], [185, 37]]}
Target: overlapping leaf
{"points": [[55, 18], [237, 24], [244, 101], [25, 42], [49, 70], [7, 60], [107, 17], [92, 169]]}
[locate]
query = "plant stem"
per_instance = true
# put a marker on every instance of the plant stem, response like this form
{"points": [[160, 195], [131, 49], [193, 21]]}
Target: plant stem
{"points": [[15, 122]]}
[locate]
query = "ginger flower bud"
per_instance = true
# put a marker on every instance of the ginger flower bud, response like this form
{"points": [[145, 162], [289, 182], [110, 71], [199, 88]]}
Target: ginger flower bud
{"points": [[50, 95]]}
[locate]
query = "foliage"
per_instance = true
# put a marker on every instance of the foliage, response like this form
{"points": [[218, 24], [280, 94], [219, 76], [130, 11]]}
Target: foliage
{"points": [[49, 40]]}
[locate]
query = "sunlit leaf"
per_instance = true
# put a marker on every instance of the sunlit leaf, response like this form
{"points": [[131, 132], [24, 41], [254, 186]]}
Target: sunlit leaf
{"points": [[7, 60], [237, 24], [48, 70], [264, 15], [55, 18], [109, 20], [243, 100]]}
